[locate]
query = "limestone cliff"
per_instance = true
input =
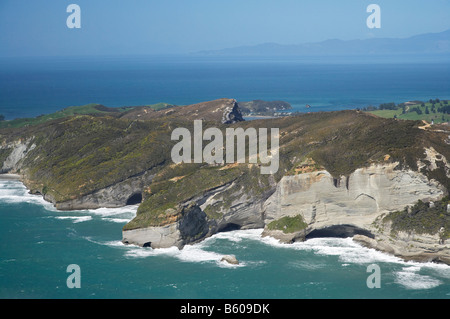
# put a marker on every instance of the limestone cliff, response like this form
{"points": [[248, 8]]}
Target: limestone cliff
{"points": [[13, 154], [357, 200]]}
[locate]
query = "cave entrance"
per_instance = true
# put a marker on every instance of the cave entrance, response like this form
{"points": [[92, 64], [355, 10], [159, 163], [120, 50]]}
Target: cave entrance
{"points": [[134, 199], [339, 231], [229, 227]]}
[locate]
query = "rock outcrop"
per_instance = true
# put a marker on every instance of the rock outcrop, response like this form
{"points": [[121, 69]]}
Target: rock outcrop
{"points": [[116, 195], [190, 226], [231, 259], [286, 238], [408, 246], [224, 111], [356, 200], [16, 151]]}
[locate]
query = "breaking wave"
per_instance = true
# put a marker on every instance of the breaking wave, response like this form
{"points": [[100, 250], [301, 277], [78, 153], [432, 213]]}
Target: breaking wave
{"points": [[13, 191], [411, 275], [409, 278]]}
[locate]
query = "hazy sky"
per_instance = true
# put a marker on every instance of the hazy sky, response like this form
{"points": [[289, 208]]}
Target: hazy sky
{"points": [[38, 27]]}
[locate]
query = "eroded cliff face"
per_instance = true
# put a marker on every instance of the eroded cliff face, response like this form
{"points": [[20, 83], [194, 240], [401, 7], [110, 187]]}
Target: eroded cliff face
{"points": [[120, 194], [322, 201], [189, 223], [355, 200], [14, 153], [190, 226], [108, 161]]}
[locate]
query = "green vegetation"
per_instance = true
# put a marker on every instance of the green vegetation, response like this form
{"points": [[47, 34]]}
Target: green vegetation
{"points": [[288, 224], [422, 218], [88, 109], [160, 106], [435, 110], [164, 195], [69, 111]]}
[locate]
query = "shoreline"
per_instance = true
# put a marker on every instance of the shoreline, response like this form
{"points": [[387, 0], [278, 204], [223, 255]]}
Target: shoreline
{"points": [[422, 256]]}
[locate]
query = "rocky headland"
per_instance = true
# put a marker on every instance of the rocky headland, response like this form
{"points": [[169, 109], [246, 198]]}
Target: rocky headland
{"points": [[383, 182]]}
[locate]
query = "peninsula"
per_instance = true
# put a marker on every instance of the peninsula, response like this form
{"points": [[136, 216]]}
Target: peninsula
{"points": [[383, 181]]}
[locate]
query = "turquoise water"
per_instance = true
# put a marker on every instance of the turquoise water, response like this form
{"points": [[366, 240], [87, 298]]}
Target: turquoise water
{"points": [[37, 243]]}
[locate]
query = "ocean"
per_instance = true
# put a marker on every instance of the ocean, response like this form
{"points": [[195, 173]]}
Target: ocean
{"points": [[38, 243], [35, 86]]}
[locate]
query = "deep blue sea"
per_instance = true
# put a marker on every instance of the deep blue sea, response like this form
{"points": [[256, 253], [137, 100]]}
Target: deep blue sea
{"points": [[37, 242], [34, 86]]}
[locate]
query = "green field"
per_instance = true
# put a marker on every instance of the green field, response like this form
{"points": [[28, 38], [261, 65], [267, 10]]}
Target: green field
{"points": [[88, 109], [69, 111], [410, 111]]}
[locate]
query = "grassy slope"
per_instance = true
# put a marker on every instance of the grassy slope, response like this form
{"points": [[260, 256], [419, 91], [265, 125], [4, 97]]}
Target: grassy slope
{"points": [[437, 117], [160, 106], [88, 109], [69, 111]]}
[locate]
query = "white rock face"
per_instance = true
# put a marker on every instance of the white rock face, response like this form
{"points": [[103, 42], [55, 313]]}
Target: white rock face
{"points": [[433, 158], [20, 149], [357, 200], [159, 237], [231, 259]]}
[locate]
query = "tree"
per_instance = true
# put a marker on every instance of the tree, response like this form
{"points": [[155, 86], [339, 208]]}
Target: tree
{"points": [[388, 106], [2, 117], [427, 111], [417, 110]]}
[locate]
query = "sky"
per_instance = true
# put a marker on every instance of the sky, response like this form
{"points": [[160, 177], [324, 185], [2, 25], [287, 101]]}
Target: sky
{"points": [[120, 27]]}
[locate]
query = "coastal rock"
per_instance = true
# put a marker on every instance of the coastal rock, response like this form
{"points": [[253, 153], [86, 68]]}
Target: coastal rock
{"points": [[408, 245], [120, 194], [357, 200], [372, 243], [18, 150], [231, 259], [286, 238], [225, 111], [413, 248], [154, 237], [190, 227]]}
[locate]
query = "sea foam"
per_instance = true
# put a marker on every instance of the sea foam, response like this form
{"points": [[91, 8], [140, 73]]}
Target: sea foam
{"points": [[13, 191]]}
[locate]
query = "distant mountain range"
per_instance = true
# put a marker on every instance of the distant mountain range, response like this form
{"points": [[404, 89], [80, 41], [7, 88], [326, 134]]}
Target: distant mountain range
{"points": [[429, 43]]}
